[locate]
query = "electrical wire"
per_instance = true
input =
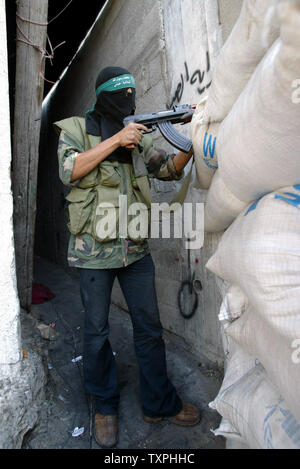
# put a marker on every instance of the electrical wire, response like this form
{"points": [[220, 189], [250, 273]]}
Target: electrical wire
{"points": [[60, 12], [44, 53], [44, 24]]}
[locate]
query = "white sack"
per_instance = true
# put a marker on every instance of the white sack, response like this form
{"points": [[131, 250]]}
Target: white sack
{"points": [[243, 50], [233, 438], [260, 253], [253, 413], [204, 137], [258, 143], [236, 62], [221, 206], [234, 304], [238, 362], [255, 409], [275, 354]]}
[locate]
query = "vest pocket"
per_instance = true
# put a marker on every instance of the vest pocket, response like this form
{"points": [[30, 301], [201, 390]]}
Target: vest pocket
{"points": [[105, 224], [138, 217], [90, 180], [109, 174], [80, 210], [106, 214], [138, 222]]}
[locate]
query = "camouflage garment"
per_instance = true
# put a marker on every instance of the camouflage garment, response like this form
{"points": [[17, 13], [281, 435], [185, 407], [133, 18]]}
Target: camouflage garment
{"points": [[83, 250]]}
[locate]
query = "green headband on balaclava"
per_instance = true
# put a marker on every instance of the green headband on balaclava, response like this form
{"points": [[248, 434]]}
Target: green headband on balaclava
{"points": [[113, 104], [116, 84]]}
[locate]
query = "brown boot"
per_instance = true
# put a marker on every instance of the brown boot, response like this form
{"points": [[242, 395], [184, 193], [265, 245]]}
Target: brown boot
{"points": [[106, 430], [187, 417]]}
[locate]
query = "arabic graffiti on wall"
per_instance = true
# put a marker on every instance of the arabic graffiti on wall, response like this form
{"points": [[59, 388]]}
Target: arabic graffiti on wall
{"points": [[197, 78]]}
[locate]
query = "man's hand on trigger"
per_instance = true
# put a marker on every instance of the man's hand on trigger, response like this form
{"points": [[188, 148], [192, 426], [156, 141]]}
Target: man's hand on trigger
{"points": [[131, 135]]}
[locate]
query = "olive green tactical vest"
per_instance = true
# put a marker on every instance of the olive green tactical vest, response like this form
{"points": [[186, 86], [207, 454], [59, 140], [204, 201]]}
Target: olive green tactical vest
{"points": [[97, 193]]}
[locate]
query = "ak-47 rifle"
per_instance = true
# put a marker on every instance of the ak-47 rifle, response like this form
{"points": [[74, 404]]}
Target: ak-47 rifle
{"points": [[164, 120]]}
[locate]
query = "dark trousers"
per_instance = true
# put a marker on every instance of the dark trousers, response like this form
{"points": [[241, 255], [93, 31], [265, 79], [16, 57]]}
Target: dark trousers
{"points": [[159, 397]]}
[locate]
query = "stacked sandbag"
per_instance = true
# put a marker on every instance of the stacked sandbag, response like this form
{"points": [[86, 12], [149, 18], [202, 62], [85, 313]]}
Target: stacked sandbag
{"points": [[233, 305], [260, 253], [257, 412], [221, 207], [242, 52], [260, 389], [275, 353], [253, 33], [259, 257], [258, 142], [257, 189]]}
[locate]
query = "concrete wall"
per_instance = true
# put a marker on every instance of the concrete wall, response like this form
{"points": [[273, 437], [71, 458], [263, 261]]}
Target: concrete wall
{"points": [[170, 46], [192, 42], [21, 380], [10, 343]]}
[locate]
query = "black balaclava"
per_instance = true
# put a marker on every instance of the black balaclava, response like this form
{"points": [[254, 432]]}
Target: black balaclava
{"points": [[111, 107]]}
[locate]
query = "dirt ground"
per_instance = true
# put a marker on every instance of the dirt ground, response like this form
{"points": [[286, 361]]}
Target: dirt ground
{"points": [[67, 406]]}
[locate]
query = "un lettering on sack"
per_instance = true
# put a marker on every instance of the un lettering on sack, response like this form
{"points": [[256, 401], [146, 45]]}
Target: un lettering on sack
{"points": [[204, 138]]}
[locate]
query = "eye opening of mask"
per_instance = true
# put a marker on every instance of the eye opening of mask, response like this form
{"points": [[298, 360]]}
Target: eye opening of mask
{"points": [[123, 92]]}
